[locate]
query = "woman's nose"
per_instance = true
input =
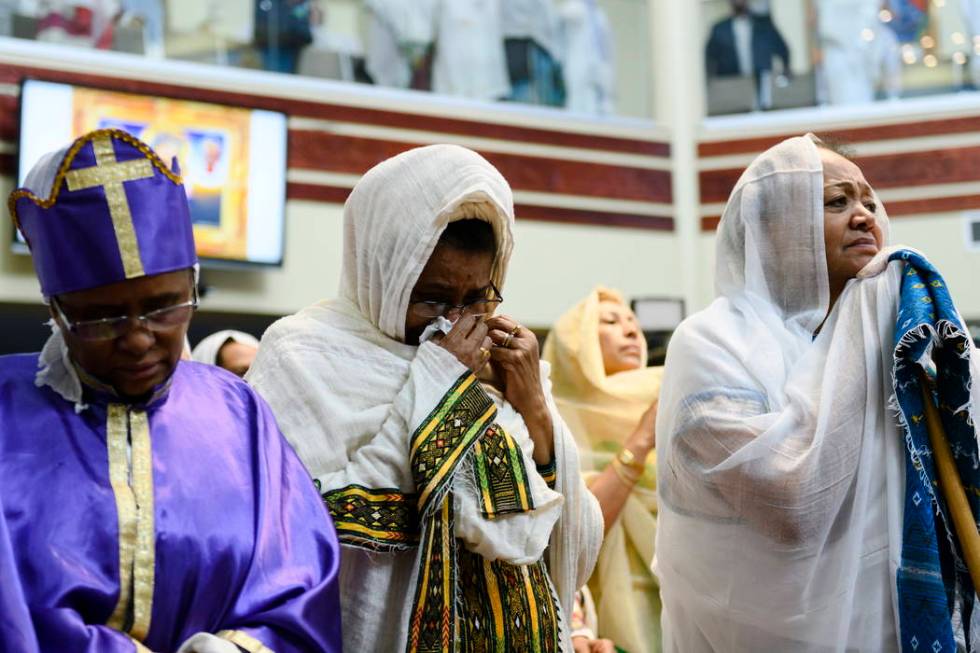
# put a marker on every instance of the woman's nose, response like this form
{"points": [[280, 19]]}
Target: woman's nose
{"points": [[863, 219]]}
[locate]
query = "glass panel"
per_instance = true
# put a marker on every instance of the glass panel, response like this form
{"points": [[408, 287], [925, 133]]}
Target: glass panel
{"points": [[839, 52], [588, 56]]}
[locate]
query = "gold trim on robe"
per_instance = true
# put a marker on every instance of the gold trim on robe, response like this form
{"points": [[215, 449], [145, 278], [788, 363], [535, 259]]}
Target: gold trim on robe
{"points": [[117, 437], [144, 565], [247, 642], [132, 485]]}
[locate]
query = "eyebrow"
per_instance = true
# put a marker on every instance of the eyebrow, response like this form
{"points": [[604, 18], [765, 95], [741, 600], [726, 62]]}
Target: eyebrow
{"points": [[849, 186]]}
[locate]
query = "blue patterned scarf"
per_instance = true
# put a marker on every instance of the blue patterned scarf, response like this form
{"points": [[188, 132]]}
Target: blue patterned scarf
{"points": [[932, 576]]}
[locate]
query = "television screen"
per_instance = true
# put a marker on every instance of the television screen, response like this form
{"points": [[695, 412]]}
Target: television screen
{"points": [[233, 160]]}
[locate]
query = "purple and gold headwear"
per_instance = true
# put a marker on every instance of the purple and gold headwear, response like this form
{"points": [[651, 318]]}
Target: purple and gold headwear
{"points": [[104, 209]]}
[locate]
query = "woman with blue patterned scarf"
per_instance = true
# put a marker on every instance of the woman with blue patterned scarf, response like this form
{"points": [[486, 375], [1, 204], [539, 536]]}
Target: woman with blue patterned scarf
{"points": [[799, 503]]}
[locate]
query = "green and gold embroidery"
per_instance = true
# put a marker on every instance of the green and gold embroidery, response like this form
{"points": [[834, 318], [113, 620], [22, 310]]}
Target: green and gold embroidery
{"points": [[432, 626], [447, 434], [376, 519], [500, 474], [495, 606], [505, 607]]}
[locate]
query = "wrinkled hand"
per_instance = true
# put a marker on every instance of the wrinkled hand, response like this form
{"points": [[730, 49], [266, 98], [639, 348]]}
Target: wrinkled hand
{"points": [[468, 342], [586, 645], [643, 440], [602, 646], [519, 366]]}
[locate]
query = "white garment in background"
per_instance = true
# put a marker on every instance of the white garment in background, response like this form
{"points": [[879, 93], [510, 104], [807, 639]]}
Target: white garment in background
{"points": [[469, 59], [588, 62], [348, 393], [150, 14], [396, 28], [742, 28], [849, 66], [531, 19], [208, 349], [971, 17], [780, 466]]}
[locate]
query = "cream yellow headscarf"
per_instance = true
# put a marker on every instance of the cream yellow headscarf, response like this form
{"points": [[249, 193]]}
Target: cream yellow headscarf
{"points": [[602, 411]]}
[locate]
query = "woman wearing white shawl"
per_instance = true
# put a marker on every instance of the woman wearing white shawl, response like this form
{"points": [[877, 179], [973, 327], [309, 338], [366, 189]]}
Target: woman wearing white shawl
{"points": [[362, 408], [230, 349], [781, 470]]}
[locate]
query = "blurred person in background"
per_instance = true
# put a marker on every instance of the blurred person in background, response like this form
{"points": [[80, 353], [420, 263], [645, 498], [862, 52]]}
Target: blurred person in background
{"points": [[533, 50], [231, 350], [744, 45], [87, 23], [858, 53], [607, 396], [588, 63]]}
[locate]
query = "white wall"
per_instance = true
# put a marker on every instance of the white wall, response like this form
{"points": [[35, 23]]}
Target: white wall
{"points": [[553, 266]]}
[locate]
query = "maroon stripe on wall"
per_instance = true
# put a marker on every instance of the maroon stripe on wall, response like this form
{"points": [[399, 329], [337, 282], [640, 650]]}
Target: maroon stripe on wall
{"points": [[9, 118], [855, 135], [717, 185], [937, 205], [902, 170], [600, 218], [338, 195], [317, 193], [899, 209], [336, 112], [355, 155], [710, 223]]}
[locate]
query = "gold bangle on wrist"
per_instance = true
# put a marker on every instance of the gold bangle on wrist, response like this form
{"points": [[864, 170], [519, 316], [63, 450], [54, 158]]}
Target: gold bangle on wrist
{"points": [[628, 476], [628, 460]]}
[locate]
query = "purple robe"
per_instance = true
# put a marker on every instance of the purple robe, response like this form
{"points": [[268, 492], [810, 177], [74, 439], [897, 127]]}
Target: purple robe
{"points": [[238, 542], [16, 631]]}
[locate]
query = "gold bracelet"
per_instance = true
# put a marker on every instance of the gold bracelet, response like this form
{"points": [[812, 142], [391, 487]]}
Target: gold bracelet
{"points": [[623, 474], [629, 460]]}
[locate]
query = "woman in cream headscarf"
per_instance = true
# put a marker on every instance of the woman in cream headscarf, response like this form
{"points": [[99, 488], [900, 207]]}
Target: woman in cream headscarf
{"points": [[797, 508], [440, 486], [607, 395]]}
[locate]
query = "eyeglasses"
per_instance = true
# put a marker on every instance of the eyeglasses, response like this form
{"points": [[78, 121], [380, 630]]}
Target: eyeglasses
{"points": [[432, 309], [161, 319]]}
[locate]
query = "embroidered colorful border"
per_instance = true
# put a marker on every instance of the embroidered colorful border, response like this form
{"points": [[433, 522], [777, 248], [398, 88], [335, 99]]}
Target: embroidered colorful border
{"points": [[432, 628], [500, 474], [505, 607], [446, 434], [372, 518], [549, 473]]}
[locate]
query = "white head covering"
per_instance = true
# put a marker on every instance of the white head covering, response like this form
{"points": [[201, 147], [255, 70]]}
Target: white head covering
{"points": [[208, 349], [396, 214], [348, 393], [780, 471]]}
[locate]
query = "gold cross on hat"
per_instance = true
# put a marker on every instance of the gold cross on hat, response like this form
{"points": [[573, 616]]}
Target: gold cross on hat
{"points": [[110, 175]]}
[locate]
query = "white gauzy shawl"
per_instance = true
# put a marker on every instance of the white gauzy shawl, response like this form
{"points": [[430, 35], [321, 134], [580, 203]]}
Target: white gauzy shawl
{"points": [[208, 349], [781, 468], [348, 394]]}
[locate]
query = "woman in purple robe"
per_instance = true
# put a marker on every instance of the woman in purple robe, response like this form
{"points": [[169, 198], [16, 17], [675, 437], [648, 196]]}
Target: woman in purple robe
{"points": [[148, 504]]}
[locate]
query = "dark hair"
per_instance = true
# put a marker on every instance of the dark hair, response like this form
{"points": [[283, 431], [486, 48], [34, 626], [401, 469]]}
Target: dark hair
{"points": [[470, 235], [836, 145]]}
